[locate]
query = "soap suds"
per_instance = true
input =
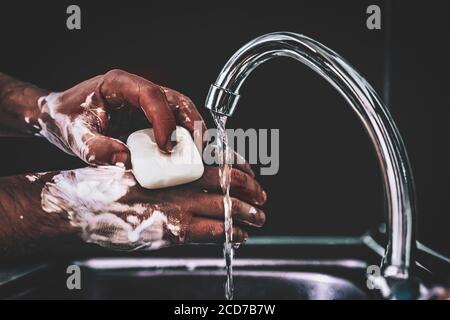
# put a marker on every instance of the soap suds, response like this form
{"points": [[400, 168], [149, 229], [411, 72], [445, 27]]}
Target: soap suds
{"points": [[154, 226], [91, 198], [35, 176], [133, 220], [88, 102], [69, 133]]}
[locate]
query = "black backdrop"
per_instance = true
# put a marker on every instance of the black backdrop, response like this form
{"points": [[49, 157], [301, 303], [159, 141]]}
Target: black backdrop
{"points": [[329, 182]]}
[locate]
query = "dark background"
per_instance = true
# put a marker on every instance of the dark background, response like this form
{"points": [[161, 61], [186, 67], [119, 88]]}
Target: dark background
{"points": [[329, 181]]}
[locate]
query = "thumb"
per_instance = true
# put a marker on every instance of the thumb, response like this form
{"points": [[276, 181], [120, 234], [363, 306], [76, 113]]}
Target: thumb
{"points": [[156, 108], [103, 150]]}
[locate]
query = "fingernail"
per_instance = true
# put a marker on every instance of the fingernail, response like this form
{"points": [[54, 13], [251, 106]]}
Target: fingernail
{"points": [[170, 145], [256, 217], [171, 142], [260, 200], [120, 159], [264, 194]]}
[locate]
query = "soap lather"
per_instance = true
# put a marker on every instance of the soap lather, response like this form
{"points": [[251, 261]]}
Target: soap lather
{"points": [[154, 169]]}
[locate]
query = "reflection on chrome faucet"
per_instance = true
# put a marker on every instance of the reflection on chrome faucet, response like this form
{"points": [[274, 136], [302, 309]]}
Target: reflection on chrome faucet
{"points": [[398, 180]]}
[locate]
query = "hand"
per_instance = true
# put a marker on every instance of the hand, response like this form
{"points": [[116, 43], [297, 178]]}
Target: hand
{"points": [[87, 119], [110, 209]]}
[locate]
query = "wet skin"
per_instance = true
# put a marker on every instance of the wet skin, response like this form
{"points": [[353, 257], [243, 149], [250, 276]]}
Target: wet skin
{"points": [[86, 121], [119, 103], [195, 208]]}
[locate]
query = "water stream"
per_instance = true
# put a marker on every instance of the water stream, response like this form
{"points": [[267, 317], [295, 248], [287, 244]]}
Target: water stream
{"points": [[225, 165]]}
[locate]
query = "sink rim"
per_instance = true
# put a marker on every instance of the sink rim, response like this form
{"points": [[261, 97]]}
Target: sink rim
{"points": [[124, 263]]}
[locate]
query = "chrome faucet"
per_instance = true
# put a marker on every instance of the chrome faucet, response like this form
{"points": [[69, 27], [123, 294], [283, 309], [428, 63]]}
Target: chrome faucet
{"points": [[397, 176]]}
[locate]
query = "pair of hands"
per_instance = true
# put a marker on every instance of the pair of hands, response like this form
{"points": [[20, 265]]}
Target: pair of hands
{"points": [[88, 120]]}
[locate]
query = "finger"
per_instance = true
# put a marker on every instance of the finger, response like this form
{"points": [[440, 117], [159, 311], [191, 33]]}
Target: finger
{"points": [[212, 206], [156, 108], [120, 88], [95, 148], [102, 150], [242, 164], [242, 185], [237, 160], [204, 230], [186, 115]]}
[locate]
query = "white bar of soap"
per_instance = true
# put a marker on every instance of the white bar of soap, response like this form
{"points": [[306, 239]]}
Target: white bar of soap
{"points": [[154, 169]]}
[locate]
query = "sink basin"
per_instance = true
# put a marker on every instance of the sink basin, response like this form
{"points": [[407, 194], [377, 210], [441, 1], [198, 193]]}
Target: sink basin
{"points": [[186, 279], [185, 285], [335, 269]]}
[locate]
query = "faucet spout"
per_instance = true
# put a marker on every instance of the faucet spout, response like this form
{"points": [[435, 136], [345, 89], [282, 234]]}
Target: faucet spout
{"points": [[378, 122]]}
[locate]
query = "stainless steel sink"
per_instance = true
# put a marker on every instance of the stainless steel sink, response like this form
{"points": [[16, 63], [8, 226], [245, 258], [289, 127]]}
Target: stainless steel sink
{"points": [[185, 285], [334, 269], [153, 278]]}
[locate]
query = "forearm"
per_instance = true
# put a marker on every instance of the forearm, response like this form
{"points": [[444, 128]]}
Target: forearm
{"points": [[24, 226], [19, 111]]}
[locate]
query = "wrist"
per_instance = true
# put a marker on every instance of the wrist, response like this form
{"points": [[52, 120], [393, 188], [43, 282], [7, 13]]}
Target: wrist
{"points": [[19, 107], [51, 124], [26, 227]]}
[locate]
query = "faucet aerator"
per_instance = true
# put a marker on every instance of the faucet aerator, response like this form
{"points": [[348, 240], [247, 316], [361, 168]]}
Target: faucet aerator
{"points": [[221, 101]]}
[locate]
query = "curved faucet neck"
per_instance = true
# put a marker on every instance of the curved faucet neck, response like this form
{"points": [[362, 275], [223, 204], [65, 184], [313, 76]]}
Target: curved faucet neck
{"points": [[397, 176]]}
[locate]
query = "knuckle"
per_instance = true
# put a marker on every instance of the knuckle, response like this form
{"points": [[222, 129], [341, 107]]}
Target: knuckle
{"points": [[236, 205], [239, 177], [218, 203], [189, 102], [113, 73], [154, 90]]}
